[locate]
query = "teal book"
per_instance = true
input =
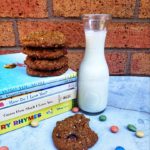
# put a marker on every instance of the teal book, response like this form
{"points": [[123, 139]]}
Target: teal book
{"points": [[15, 81]]}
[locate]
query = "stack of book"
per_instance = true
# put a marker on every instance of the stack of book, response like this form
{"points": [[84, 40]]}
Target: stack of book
{"points": [[24, 98]]}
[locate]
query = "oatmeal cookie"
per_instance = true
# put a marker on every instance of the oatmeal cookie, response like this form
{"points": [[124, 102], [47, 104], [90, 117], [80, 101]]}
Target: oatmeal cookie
{"points": [[46, 64], [44, 53], [44, 39], [40, 73], [74, 133]]}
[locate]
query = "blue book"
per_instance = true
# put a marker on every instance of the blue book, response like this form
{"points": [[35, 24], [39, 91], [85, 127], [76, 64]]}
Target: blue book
{"points": [[15, 81]]}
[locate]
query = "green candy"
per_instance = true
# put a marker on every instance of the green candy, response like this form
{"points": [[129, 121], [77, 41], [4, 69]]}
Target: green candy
{"points": [[102, 118], [131, 127]]}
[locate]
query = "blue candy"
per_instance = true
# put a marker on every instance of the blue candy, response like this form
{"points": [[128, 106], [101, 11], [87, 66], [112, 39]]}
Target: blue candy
{"points": [[119, 148]]}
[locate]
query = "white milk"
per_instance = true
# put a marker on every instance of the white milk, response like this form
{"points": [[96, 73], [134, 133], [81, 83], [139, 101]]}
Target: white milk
{"points": [[93, 74]]}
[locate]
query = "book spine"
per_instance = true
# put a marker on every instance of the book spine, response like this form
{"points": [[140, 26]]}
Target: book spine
{"points": [[28, 107], [39, 115], [36, 88], [39, 84], [36, 95]]}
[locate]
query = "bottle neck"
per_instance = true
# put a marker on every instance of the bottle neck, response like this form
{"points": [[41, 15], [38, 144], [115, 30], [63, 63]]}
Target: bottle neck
{"points": [[95, 42]]}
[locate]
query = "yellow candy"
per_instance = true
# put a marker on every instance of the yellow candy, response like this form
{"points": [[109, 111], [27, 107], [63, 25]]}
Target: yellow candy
{"points": [[34, 123], [139, 134], [10, 66]]}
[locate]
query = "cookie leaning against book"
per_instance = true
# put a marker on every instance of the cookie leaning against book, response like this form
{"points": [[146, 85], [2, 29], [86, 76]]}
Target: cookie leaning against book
{"points": [[46, 55]]}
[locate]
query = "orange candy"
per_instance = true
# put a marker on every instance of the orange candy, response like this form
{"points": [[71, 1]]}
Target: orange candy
{"points": [[114, 129], [75, 109]]}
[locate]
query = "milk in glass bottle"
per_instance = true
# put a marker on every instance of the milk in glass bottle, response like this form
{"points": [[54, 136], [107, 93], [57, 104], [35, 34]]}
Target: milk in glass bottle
{"points": [[93, 72]]}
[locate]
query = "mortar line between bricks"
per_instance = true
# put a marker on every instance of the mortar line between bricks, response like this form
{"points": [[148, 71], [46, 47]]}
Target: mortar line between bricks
{"points": [[134, 75], [131, 20], [15, 28], [49, 8], [72, 50], [128, 64], [128, 49], [137, 7], [137, 50], [51, 18], [116, 49]]}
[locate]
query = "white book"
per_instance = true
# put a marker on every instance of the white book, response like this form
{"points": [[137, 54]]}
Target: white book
{"points": [[38, 104], [9, 102]]}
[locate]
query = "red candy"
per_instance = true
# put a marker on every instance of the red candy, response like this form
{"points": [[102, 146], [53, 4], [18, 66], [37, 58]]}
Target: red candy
{"points": [[75, 109], [4, 148], [114, 129]]}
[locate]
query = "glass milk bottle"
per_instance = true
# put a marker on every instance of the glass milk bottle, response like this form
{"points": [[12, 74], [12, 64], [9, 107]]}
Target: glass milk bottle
{"points": [[93, 72]]}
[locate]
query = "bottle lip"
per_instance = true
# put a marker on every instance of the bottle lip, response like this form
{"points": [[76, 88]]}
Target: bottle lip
{"points": [[97, 16]]}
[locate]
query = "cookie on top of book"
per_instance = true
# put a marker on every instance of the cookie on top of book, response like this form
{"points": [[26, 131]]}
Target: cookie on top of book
{"points": [[44, 39], [46, 53]]}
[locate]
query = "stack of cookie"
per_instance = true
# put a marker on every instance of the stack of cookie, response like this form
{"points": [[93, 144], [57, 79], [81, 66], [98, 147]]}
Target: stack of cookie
{"points": [[46, 53]]}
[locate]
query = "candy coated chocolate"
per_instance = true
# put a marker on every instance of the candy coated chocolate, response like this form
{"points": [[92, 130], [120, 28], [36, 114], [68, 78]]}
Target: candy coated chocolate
{"points": [[139, 134], [75, 109], [34, 123], [114, 129], [131, 127], [102, 118], [119, 148], [4, 148]]}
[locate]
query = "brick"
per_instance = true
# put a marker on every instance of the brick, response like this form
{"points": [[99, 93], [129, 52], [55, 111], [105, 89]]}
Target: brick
{"points": [[144, 9], [129, 35], [75, 57], [23, 8], [117, 61], [75, 8], [140, 63], [120, 35], [7, 37]]}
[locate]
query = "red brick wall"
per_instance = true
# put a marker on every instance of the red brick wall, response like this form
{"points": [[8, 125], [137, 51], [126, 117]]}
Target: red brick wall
{"points": [[128, 39]]}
